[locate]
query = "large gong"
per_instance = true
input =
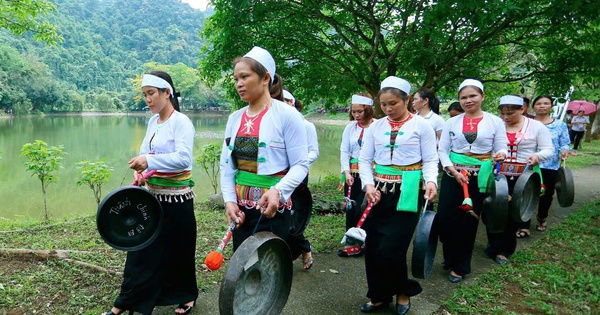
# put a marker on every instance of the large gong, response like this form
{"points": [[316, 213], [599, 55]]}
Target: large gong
{"points": [[129, 218], [301, 209], [565, 187], [525, 196], [258, 278], [424, 246], [496, 204]]}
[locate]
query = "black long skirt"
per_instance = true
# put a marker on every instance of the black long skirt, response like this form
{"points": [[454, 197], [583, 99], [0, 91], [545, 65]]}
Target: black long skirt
{"points": [[458, 228], [164, 273], [278, 225], [389, 233]]}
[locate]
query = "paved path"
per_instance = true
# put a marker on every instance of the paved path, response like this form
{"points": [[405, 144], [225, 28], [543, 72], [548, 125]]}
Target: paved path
{"points": [[321, 291]]}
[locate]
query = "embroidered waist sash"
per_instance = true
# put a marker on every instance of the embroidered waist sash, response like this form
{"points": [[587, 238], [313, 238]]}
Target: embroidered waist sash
{"points": [[169, 186], [251, 186], [485, 167], [409, 189]]}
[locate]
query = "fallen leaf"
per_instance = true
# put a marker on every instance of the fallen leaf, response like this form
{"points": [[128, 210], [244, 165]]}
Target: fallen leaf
{"points": [[333, 271]]}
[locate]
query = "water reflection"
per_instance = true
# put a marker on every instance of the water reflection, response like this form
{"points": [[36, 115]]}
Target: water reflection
{"points": [[114, 138]]}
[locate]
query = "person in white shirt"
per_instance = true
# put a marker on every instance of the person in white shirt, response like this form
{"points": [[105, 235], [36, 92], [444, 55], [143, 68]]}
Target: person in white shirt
{"points": [[427, 106], [529, 142], [470, 141], [265, 152], [299, 245], [164, 272], [578, 123], [402, 148], [361, 117]]}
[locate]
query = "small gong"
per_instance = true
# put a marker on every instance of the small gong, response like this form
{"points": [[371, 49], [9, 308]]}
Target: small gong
{"points": [[525, 197], [496, 204], [424, 246]]}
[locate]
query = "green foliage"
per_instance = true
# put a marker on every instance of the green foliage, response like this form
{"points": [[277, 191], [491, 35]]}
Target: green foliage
{"points": [[209, 161], [332, 49], [42, 162], [24, 16], [94, 175]]}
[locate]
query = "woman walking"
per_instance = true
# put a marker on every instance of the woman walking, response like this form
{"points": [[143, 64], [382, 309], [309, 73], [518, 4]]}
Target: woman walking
{"points": [[529, 142], [361, 117], [402, 146], [471, 142], [164, 273], [542, 106], [265, 153]]}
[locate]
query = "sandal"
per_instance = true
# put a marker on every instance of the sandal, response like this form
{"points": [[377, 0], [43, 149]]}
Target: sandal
{"points": [[541, 226], [186, 308], [117, 313], [523, 233]]}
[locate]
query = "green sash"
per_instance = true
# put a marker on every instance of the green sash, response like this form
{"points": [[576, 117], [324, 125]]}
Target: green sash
{"points": [[252, 179], [343, 177], [409, 189], [170, 183], [485, 170]]}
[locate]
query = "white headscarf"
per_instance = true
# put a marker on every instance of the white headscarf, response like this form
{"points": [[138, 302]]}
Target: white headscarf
{"points": [[264, 58], [157, 82], [397, 83]]}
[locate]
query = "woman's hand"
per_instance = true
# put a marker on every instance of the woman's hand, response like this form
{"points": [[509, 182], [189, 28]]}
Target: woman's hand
{"points": [[564, 155], [430, 191], [139, 179], [499, 157], [533, 160], [233, 213], [373, 195], [138, 163], [349, 179], [269, 202]]}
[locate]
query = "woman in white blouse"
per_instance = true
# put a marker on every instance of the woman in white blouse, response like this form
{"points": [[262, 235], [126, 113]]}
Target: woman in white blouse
{"points": [[427, 106], [403, 150], [470, 141], [361, 116], [265, 152], [529, 142]]}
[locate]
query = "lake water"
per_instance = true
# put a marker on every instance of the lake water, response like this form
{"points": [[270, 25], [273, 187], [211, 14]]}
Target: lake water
{"points": [[115, 139]]}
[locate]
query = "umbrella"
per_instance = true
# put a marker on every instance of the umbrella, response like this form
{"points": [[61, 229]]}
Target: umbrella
{"points": [[588, 107]]}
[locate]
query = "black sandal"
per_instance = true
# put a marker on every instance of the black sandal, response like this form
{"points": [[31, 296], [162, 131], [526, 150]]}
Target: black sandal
{"points": [[186, 308], [542, 225], [522, 233]]}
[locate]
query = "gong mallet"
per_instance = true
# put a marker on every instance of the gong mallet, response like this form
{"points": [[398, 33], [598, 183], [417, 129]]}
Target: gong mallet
{"points": [[356, 233], [146, 176], [348, 203], [467, 204], [214, 259]]}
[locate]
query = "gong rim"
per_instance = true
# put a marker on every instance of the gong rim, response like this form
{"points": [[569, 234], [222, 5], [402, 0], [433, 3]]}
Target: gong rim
{"points": [[496, 204], [245, 281], [565, 187], [425, 246], [129, 218], [301, 210], [525, 197]]}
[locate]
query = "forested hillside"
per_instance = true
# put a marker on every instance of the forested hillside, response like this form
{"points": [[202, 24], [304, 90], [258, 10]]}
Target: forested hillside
{"points": [[105, 44]]}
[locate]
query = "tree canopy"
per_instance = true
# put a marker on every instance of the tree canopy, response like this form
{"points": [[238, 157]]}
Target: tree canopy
{"points": [[331, 49], [23, 16]]}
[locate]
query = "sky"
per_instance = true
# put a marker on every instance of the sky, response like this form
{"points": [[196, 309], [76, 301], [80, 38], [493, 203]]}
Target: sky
{"points": [[197, 4]]}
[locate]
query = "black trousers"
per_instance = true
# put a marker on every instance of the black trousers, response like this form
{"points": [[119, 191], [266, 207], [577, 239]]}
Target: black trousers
{"points": [[164, 273], [389, 233], [576, 137], [458, 228]]}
